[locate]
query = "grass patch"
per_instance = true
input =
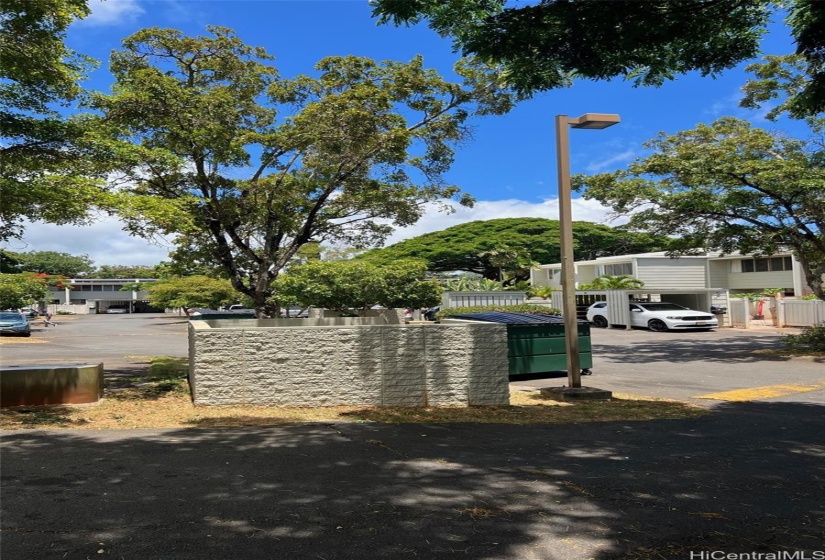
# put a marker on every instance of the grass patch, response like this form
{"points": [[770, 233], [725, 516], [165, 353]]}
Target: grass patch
{"points": [[165, 374], [160, 399], [145, 407]]}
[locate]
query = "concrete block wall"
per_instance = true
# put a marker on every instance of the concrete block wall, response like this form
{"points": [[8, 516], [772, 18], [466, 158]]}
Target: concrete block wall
{"points": [[351, 364]]}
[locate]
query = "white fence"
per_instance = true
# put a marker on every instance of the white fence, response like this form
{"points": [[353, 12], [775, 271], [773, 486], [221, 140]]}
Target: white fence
{"points": [[800, 312], [471, 299], [780, 313], [71, 309]]}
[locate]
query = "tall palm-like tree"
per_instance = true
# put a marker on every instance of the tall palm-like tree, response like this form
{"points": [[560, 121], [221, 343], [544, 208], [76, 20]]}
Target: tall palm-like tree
{"points": [[607, 282]]}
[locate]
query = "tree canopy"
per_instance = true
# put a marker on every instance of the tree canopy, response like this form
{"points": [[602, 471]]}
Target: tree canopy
{"points": [[194, 291], [357, 284], [547, 44], [123, 271], [726, 186], [47, 172], [21, 290], [54, 263], [476, 246], [252, 167]]}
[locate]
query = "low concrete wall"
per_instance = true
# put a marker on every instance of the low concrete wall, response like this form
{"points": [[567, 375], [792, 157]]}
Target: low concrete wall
{"points": [[50, 384], [347, 361]]}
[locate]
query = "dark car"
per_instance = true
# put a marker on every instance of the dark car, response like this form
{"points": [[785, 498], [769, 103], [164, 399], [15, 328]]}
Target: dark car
{"points": [[13, 322]]}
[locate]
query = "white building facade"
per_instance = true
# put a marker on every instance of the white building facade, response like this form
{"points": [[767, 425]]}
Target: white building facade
{"points": [[711, 271], [97, 295]]}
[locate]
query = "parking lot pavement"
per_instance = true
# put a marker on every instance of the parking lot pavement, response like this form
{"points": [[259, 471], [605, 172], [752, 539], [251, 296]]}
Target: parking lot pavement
{"points": [[686, 365], [675, 365], [99, 338]]}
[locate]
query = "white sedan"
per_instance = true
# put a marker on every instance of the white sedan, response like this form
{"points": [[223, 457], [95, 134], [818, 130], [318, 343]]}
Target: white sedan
{"points": [[656, 316]]}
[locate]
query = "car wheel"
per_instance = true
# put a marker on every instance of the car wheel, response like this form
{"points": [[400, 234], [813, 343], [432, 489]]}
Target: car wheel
{"points": [[27, 334], [600, 321], [657, 325]]}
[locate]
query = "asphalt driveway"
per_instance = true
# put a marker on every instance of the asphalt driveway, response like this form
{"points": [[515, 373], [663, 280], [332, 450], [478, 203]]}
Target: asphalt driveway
{"points": [[686, 365], [749, 477], [676, 365]]}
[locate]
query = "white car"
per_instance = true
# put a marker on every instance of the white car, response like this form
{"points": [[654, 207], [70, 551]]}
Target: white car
{"points": [[656, 316], [117, 309]]}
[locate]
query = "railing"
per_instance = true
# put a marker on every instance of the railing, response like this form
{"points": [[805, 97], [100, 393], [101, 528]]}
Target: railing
{"points": [[472, 299]]}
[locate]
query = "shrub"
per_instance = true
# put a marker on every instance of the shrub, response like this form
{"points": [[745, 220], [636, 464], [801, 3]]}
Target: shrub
{"points": [[543, 292], [521, 308], [810, 339]]}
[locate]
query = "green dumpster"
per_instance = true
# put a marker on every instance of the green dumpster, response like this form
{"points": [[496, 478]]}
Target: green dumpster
{"points": [[535, 343]]}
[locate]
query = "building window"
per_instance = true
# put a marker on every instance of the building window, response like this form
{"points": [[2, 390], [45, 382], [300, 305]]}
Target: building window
{"points": [[773, 264], [623, 269]]}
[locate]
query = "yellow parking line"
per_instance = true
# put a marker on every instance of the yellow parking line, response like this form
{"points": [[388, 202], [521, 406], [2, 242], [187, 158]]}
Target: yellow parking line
{"points": [[764, 392]]}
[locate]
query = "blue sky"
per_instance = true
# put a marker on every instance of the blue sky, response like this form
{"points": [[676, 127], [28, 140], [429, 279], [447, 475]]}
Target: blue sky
{"points": [[508, 165]]}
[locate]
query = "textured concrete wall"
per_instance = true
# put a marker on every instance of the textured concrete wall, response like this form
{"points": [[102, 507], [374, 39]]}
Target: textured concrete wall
{"points": [[381, 365]]}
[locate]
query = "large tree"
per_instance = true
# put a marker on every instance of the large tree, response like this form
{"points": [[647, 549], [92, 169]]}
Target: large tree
{"points": [[21, 290], [357, 284], [194, 291], [480, 246], [124, 271], [47, 173], [727, 186], [253, 167], [547, 44], [55, 263]]}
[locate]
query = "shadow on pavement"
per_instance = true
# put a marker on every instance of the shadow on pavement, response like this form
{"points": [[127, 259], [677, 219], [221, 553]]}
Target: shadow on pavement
{"points": [[721, 350], [749, 477]]}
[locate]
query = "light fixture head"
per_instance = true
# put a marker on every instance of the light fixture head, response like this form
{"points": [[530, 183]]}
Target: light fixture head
{"points": [[594, 121]]}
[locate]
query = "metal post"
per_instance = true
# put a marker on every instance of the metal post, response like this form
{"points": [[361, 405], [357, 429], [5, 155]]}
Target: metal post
{"points": [[568, 281]]}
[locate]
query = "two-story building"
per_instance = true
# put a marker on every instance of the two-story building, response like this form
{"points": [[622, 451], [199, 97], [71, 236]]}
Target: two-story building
{"points": [[100, 294], [711, 271]]}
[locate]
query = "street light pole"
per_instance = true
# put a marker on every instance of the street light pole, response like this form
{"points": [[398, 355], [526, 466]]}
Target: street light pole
{"points": [[568, 281]]}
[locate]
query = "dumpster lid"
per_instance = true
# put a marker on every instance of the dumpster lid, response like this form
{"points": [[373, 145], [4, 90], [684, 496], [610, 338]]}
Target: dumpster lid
{"points": [[511, 318]]}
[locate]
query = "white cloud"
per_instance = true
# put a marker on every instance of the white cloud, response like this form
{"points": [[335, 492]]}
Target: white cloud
{"points": [[112, 12], [104, 241]]}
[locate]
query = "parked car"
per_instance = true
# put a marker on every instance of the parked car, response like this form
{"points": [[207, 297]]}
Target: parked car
{"points": [[238, 308], [117, 309], [29, 313], [656, 316], [14, 322]]}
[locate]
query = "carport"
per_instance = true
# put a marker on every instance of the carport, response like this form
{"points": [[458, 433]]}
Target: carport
{"points": [[618, 310]]}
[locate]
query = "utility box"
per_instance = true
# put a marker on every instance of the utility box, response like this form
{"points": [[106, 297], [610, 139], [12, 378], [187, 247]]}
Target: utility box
{"points": [[536, 343]]}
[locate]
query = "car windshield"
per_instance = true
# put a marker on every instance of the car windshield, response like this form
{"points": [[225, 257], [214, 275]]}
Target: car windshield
{"points": [[9, 316], [662, 306]]}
